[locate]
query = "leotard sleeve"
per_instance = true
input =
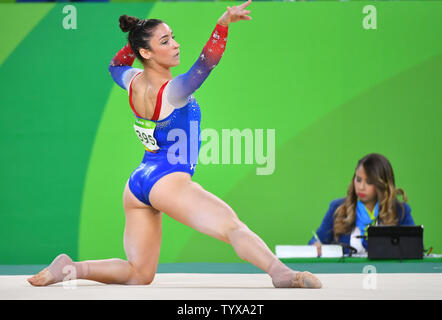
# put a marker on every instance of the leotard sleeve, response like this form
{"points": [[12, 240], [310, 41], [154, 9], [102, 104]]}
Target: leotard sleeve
{"points": [[183, 85], [121, 68]]}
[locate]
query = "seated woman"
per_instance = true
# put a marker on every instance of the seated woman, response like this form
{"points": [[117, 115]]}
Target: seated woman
{"points": [[371, 200]]}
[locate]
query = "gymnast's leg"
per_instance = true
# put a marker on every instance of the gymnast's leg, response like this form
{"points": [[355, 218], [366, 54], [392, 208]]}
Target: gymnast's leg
{"points": [[187, 202], [142, 241]]}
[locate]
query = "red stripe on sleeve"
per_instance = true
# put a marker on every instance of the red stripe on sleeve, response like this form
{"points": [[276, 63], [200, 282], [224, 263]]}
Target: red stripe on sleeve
{"points": [[124, 57]]}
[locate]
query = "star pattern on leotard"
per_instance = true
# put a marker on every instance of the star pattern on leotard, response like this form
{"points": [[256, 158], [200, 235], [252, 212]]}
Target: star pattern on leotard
{"points": [[212, 52], [124, 57]]}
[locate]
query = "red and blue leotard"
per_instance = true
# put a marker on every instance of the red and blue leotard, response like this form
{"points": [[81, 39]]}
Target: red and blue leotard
{"points": [[183, 123]]}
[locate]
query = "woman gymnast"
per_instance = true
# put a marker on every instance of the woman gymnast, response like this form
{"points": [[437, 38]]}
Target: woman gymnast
{"points": [[160, 104], [371, 200]]}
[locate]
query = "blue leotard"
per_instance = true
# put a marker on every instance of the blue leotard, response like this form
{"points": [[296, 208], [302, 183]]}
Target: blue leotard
{"points": [[156, 165], [182, 124]]}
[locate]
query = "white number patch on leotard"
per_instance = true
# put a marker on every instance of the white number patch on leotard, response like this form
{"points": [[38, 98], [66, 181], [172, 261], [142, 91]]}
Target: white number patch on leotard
{"points": [[144, 130]]}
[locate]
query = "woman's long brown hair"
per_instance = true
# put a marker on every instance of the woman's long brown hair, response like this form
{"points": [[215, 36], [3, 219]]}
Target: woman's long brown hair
{"points": [[379, 170]]}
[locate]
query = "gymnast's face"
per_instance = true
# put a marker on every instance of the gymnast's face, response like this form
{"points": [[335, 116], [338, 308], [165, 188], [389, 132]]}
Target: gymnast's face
{"points": [[364, 188], [164, 49]]}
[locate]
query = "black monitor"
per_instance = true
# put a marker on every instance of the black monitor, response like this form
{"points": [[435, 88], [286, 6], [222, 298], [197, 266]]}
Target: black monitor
{"points": [[395, 242]]}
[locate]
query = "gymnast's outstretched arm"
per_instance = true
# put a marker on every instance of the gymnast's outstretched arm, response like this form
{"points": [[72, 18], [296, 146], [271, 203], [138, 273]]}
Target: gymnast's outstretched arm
{"points": [[121, 68], [182, 86]]}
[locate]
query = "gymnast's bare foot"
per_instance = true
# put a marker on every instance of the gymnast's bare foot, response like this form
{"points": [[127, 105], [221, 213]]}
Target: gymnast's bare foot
{"points": [[284, 277], [306, 279], [296, 279], [56, 272], [43, 278]]}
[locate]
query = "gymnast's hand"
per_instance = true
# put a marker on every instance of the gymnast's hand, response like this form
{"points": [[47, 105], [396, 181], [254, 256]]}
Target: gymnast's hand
{"points": [[235, 14]]}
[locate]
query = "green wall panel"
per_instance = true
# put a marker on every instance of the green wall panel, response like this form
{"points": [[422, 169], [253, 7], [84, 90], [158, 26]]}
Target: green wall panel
{"points": [[331, 90]]}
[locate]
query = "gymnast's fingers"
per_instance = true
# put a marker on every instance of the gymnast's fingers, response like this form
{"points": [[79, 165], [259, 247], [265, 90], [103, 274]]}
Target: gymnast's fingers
{"points": [[245, 4]]}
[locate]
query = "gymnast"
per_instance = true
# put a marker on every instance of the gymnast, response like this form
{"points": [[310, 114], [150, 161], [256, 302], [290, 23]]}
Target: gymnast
{"points": [[161, 103]]}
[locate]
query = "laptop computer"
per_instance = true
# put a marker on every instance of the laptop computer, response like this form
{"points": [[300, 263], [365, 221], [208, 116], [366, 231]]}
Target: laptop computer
{"points": [[395, 242]]}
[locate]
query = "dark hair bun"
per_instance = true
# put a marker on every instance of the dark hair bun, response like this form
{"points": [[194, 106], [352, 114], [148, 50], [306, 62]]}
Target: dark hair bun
{"points": [[127, 23]]}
